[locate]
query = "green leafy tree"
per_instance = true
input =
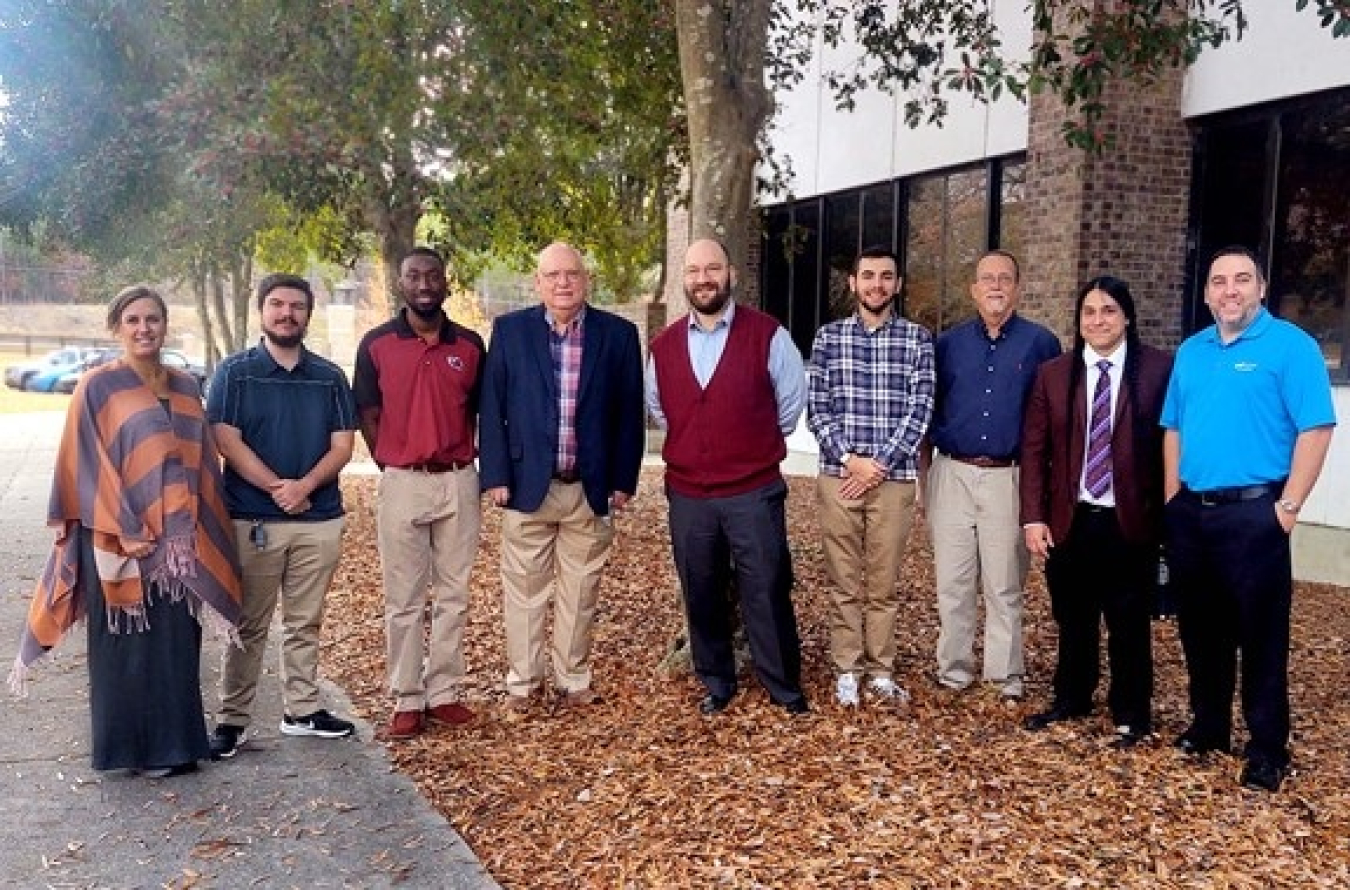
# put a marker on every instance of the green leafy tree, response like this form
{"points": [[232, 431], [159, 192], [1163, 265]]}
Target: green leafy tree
{"points": [[87, 161]]}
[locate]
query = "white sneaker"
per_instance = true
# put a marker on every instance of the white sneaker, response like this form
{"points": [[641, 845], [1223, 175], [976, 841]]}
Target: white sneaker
{"points": [[885, 687], [846, 690]]}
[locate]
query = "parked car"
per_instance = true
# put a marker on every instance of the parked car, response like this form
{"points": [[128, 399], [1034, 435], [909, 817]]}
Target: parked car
{"points": [[171, 358], [41, 374], [66, 382], [174, 359]]}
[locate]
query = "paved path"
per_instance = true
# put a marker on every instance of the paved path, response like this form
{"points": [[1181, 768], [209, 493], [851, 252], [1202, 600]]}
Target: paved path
{"points": [[284, 813]]}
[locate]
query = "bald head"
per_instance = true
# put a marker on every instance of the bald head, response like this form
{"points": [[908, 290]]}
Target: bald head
{"points": [[708, 277]]}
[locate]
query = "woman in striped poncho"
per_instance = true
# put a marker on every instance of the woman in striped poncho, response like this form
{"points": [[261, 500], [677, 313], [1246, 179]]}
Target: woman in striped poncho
{"points": [[144, 549]]}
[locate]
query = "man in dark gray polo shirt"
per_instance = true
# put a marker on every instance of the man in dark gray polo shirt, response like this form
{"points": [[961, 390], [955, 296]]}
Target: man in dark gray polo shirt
{"points": [[284, 420]]}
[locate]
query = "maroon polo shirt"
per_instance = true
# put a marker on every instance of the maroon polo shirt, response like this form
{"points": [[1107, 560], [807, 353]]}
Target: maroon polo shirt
{"points": [[426, 393]]}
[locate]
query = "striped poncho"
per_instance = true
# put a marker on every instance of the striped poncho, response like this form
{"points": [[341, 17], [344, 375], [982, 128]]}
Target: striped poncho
{"points": [[127, 469]]}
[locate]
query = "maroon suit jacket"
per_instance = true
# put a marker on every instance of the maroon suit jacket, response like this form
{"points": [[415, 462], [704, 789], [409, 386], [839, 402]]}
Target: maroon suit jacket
{"points": [[1054, 438]]}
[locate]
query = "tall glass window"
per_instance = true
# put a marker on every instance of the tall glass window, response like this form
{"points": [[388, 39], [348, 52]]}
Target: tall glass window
{"points": [[843, 213], [939, 224], [1277, 180]]}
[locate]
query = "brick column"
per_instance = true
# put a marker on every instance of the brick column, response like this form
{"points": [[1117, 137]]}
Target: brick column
{"points": [[1123, 212]]}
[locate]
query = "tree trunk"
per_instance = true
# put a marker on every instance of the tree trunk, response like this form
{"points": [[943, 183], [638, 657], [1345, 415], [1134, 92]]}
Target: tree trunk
{"points": [[216, 284], [722, 46], [392, 212], [211, 354], [241, 281]]}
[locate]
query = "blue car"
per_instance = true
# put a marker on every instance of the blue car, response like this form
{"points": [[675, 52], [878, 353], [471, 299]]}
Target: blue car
{"points": [[170, 357], [41, 376]]}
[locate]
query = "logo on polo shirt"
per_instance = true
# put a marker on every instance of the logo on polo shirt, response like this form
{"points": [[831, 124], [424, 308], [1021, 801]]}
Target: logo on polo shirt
{"points": [[1244, 367], [455, 362]]}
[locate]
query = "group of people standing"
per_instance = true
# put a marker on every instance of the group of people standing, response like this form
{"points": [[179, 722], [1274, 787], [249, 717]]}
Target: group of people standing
{"points": [[169, 515]]}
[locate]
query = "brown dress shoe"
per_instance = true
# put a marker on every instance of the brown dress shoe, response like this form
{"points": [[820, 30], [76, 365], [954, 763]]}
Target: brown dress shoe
{"points": [[581, 698], [449, 714], [405, 725]]}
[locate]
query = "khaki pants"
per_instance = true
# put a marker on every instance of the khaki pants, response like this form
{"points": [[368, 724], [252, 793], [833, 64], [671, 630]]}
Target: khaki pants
{"points": [[428, 527], [297, 566], [977, 545], [864, 540], [562, 547]]}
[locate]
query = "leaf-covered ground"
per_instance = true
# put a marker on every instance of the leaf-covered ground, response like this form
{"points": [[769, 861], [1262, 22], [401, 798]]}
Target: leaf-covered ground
{"points": [[640, 791]]}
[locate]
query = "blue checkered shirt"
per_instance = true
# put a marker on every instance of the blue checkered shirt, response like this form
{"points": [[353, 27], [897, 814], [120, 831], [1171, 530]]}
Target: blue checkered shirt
{"points": [[870, 393]]}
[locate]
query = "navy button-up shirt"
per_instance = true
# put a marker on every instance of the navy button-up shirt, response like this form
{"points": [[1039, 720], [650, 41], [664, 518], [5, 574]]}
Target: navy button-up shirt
{"points": [[982, 386]]}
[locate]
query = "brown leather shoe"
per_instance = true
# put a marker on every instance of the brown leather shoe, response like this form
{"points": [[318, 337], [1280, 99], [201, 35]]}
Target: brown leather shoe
{"points": [[405, 725], [581, 698], [449, 714]]}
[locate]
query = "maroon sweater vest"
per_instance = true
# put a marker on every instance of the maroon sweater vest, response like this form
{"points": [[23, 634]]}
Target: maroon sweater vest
{"points": [[723, 440]]}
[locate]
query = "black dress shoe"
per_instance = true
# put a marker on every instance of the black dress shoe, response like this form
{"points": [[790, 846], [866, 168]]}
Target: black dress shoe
{"points": [[713, 704], [1056, 714], [796, 706], [1127, 737], [1193, 744], [1262, 775]]}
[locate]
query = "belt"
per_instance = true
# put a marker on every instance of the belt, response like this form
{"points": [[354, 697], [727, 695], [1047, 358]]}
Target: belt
{"points": [[988, 463], [1216, 496], [1089, 507], [435, 466], [569, 478]]}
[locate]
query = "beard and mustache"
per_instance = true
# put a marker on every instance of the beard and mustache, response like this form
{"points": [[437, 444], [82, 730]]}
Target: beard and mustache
{"points": [[709, 303]]}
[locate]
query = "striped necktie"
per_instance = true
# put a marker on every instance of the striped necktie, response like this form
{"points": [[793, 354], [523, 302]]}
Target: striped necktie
{"points": [[1097, 471]]}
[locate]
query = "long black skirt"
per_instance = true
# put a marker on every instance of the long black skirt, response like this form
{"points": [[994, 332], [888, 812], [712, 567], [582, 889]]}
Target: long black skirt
{"points": [[145, 695]]}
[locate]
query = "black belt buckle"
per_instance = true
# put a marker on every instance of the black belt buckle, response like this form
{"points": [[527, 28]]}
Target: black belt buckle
{"points": [[568, 478]]}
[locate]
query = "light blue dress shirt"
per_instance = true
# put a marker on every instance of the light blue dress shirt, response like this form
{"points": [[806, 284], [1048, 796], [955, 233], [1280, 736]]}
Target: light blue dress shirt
{"points": [[787, 371]]}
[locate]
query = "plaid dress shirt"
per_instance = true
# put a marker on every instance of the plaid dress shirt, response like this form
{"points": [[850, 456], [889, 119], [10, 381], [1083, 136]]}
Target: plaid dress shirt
{"points": [[565, 349], [870, 393]]}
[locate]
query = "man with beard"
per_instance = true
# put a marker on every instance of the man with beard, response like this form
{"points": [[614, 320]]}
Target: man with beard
{"points": [[284, 421], [727, 384], [417, 383], [869, 399], [562, 439]]}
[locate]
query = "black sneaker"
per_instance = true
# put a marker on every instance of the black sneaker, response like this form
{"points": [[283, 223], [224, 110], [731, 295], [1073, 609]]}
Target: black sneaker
{"points": [[320, 723], [225, 741]]}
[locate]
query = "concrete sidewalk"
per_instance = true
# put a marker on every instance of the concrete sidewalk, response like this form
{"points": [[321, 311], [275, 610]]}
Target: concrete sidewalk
{"points": [[285, 812]]}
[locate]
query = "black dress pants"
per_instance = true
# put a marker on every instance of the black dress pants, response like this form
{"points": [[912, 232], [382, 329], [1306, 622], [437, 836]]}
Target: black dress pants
{"points": [[745, 534], [1094, 575], [1232, 572]]}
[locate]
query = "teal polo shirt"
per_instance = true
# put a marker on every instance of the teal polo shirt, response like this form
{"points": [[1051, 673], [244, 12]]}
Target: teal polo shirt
{"points": [[1239, 407]]}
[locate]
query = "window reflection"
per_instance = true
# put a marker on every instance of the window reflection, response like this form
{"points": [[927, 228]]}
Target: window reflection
{"points": [[1311, 270], [939, 224], [1278, 180]]}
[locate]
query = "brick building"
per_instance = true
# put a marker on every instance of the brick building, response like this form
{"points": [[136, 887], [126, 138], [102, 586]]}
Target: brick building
{"points": [[1251, 145]]}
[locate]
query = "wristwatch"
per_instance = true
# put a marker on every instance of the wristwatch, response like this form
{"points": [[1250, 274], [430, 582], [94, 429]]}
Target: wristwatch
{"points": [[1288, 505]]}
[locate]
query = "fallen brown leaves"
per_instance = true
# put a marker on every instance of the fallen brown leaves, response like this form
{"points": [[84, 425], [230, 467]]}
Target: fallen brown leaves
{"points": [[640, 791]]}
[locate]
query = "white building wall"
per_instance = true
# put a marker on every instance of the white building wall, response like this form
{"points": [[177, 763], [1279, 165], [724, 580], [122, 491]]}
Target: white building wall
{"points": [[829, 149], [1284, 53]]}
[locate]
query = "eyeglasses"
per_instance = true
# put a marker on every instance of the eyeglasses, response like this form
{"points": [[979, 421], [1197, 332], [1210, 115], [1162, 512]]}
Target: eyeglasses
{"points": [[1004, 280], [553, 276]]}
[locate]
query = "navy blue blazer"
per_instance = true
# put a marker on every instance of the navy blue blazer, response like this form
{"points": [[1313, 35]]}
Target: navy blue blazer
{"points": [[518, 414]]}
